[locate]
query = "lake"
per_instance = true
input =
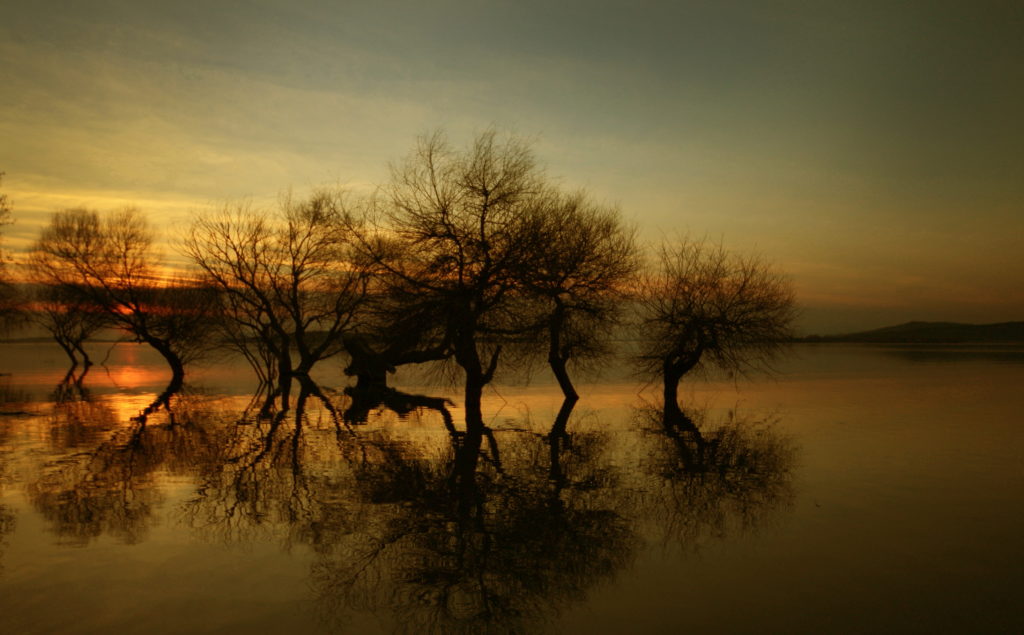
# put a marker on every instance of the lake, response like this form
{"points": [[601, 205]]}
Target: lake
{"points": [[861, 489]]}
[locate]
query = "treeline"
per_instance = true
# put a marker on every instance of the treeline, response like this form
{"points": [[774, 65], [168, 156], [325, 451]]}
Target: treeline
{"points": [[465, 255]]}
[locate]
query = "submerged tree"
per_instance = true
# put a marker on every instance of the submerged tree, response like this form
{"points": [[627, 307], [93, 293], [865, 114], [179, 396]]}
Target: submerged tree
{"points": [[452, 240], [706, 307], [288, 282], [64, 312], [109, 264], [584, 260]]}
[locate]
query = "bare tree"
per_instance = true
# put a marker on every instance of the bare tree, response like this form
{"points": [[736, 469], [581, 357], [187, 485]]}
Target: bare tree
{"points": [[110, 264], [452, 241], [65, 314], [706, 307], [288, 281], [583, 262]]}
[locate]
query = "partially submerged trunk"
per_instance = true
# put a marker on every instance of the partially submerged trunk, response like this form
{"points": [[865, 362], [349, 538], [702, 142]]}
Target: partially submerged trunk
{"points": [[673, 369], [371, 367], [177, 367], [468, 357], [562, 419], [69, 350], [557, 358]]}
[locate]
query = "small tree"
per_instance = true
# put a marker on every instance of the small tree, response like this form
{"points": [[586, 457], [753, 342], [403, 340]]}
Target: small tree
{"points": [[584, 258], [706, 307], [109, 263], [66, 314]]}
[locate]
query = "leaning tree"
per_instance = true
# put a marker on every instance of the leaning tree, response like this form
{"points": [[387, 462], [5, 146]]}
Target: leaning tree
{"points": [[580, 273]]}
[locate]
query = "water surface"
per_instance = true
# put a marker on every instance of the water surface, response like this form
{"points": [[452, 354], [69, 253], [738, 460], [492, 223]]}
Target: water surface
{"points": [[864, 489]]}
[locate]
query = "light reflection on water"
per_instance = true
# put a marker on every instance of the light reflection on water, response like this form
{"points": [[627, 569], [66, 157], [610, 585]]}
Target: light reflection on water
{"points": [[862, 490]]}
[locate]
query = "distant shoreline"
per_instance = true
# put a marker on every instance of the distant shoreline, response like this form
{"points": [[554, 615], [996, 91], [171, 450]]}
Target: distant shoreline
{"points": [[932, 333]]}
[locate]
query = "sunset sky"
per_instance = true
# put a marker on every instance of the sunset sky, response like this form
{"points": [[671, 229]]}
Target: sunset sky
{"points": [[873, 150]]}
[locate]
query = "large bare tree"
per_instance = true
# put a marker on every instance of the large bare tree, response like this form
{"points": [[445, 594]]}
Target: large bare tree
{"points": [[289, 284], [706, 307], [451, 242]]}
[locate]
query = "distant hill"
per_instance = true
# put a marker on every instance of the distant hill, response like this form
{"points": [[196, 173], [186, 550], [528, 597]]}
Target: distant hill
{"points": [[933, 333]]}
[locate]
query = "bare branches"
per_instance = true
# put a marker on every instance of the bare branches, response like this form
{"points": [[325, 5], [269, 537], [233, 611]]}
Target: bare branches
{"points": [[704, 306], [108, 263], [288, 280], [583, 258]]}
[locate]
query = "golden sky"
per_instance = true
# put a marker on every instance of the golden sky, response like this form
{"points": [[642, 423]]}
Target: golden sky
{"points": [[874, 150]]}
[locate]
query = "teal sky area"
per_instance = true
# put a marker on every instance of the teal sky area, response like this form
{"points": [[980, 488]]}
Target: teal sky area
{"points": [[873, 150]]}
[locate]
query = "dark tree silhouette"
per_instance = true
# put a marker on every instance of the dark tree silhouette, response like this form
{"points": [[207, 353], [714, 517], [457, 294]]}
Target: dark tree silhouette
{"points": [[450, 239], [65, 314], [580, 271], [704, 306], [109, 264], [289, 284]]}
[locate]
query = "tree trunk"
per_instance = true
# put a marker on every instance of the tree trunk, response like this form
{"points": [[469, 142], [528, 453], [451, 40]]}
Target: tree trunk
{"points": [[177, 370], [86, 362], [69, 350], [562, 375], [671, 395], [468, 357], [556, 359], [562, 419], [674, 368], [474, 399]]}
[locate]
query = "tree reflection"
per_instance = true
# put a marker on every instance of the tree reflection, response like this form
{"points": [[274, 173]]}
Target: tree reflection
{"points": [[270, 468], [7, 519], [708, 475], [455, 544], [366, 400], [77, 419], [441, 529], [114, 488]]}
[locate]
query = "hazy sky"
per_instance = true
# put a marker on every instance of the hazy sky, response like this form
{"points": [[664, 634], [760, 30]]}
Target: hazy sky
{"points": [[874, 150]]}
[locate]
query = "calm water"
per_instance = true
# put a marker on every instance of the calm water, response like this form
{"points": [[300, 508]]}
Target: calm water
{"points": [[862, 490]]}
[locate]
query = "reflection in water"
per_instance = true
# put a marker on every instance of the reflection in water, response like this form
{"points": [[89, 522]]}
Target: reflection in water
{"points": [[7, 519], [456, 544], [365, 400], [449, 531], [710, 475]]}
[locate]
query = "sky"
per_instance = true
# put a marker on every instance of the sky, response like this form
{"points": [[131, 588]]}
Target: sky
{"points": [[874, 151]]}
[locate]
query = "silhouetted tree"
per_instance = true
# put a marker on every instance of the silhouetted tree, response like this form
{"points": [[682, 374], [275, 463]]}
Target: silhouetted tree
{"points": [[704, 306], [288, 281], [109, 264], [451, 242], [64, 313], [582, 264]]}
